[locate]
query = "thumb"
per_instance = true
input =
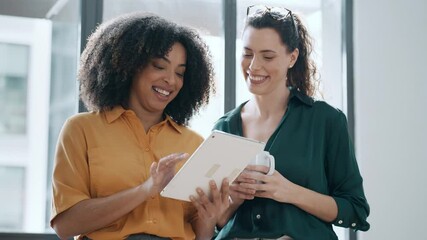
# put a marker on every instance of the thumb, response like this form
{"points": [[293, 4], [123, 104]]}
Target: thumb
{"points": [[153, 168]]}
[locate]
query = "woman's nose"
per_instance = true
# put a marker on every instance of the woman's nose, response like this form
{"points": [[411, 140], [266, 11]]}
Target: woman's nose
{"points": [[254, 64], [169, 78]]}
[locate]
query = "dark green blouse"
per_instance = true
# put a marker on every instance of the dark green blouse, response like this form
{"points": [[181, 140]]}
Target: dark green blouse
{"points": [[313, 149]]}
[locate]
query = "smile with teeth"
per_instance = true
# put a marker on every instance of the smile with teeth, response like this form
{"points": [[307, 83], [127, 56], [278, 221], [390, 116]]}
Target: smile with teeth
{"points": [[162, 91], [257, 78]]}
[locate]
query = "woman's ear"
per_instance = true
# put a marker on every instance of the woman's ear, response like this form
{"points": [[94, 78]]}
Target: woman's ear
{"points": [[294, 57]]}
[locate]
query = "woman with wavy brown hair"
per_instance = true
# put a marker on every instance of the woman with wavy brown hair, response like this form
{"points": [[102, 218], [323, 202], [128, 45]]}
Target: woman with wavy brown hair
{"points": [[317, 181]]}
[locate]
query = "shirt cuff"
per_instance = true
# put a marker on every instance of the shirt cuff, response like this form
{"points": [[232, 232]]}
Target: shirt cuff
{"points": [[346, 216]]}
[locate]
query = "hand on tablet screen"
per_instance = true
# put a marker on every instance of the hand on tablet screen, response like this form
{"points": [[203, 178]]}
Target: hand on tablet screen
{"points": [[162, 172]]}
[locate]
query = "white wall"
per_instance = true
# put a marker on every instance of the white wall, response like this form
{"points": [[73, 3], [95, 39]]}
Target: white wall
{"points": [[390, 40]]}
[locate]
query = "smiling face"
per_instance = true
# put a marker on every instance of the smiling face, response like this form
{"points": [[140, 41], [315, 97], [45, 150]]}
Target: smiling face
{"points": [[157, 84], [265, 60]]}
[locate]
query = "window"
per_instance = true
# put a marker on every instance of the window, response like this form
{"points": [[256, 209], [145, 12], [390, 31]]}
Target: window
{"points": [[13, 131], [24, 91], [38, 63], [13, 88], [13, 186]]}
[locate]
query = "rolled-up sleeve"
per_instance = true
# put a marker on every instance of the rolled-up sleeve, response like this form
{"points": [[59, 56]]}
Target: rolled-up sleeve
{"points": [[70, 172], [344, 179]]}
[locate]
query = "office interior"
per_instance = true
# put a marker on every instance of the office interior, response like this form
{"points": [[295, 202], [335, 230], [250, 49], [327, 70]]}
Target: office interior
{"points": [[371, 56]]}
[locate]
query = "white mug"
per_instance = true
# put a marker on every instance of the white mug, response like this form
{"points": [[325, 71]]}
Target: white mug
{"points": [[264, 158]]}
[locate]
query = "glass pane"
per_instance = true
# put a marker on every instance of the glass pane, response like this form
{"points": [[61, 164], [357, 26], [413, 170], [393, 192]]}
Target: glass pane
{"points": [[25, 97], [13, 88], [209, 26], [12, 185], [38, 84], [63, 83]]}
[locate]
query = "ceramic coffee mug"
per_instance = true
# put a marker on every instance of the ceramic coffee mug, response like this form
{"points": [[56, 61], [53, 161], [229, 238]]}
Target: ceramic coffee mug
{"points": [[264, 158]]}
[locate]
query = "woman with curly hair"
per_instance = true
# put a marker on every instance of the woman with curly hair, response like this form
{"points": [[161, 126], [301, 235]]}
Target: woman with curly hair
{"points": [[317, 182], [142, 78]]}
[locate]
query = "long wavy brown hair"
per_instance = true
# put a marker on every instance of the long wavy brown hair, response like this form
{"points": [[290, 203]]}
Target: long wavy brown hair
{"points": [[303, 75]]}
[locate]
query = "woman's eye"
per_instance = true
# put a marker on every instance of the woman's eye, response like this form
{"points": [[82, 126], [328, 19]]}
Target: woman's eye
{"points": [[247, 55], [158, 66], [180, 75]]}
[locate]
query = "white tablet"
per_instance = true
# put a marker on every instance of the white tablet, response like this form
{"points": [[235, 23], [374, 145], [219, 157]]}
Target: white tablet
{"points": [[221, 155]]}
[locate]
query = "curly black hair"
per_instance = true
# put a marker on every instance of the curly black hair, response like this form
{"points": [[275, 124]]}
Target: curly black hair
{"points": [[303, 75], [122, 46]]}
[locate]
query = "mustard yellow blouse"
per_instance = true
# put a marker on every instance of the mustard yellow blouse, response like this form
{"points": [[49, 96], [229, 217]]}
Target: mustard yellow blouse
{"points": [[102, 153]]}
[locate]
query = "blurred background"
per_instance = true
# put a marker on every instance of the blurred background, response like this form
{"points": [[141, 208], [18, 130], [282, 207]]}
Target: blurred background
{"points": [[371, 56]]}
